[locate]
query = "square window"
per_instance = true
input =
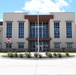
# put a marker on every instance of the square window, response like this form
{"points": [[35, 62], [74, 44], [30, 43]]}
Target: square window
{"points": [[20, 45], [69, 45], [56, 45]]}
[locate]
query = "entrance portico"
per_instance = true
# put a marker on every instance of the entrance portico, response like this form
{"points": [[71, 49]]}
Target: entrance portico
{"points": [[43, 26]]}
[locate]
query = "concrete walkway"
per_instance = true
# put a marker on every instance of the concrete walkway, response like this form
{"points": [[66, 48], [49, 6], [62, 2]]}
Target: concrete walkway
{"points": [[51, 66]]}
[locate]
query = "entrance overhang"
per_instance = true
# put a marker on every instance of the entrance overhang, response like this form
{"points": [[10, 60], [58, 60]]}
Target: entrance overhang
{"points": [[42, 18], [40, 39]]}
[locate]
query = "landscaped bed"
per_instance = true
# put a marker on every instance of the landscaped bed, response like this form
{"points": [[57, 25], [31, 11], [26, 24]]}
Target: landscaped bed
{"points": [[38, 55]]}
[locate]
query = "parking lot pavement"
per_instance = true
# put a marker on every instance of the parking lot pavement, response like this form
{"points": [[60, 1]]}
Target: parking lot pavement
{"points": [[21, 66]]}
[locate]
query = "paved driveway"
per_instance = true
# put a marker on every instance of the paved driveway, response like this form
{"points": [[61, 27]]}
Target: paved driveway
{"points": [[18, 66]]}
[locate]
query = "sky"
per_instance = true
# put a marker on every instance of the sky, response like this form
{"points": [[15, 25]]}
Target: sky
{"points": [[35, 6]]}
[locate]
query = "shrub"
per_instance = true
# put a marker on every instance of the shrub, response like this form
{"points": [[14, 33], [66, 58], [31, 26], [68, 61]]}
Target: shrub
{"points": [[10, 54], [25, 53], [28, 55], [15, 55], [55, 55], [67, 54], [40, 56], [21, 55], [49, 55], [36, 55], [46, 53], [59, 55]]}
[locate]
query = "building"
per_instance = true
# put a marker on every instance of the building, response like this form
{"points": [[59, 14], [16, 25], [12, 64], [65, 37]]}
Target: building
{"points": [[56, 30]]}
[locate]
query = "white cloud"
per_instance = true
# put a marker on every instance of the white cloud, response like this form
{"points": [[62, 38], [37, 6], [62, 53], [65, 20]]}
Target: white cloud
{"points": [[45, 6], [1, 19], [18, 11]]}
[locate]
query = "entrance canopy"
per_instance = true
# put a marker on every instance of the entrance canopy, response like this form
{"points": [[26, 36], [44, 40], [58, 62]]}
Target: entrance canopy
{"points": [[42, 18], [40, 39]]}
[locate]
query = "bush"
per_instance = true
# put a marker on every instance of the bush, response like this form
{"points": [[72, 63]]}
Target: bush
{"points": [[36, 55], [15, 55], [40, 56], [55, 55], [28, 55], [59, 55], [10, 54], [67, 54], [46, 53], [49, 55], [21, 55]]}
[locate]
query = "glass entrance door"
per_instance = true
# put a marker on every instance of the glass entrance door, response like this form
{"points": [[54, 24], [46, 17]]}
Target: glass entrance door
{"points": [[40, 48], [43, 46]]}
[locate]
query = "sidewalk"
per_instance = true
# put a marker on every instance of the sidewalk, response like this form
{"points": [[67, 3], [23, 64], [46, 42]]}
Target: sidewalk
{"points": [[22, 66]]}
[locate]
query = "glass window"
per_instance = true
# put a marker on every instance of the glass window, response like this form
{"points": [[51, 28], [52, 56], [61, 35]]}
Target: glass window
{"points": [[69, 45], [43, 30], [56, 45], [20, 45], [32, 30], [21, 30], [8, 45], [9, 30], [56, 30], [68, 29]]}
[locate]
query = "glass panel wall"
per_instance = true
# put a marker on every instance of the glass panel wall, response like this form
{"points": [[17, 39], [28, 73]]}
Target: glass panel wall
{"points": [[56, 30], [43, 46], [21, 30], [9, 30], [43, 30], [68, 29]]}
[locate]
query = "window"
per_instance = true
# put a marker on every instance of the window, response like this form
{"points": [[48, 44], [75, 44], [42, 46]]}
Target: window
{"points": [[8, 45], [9, 30], [44, 45], [32, 30], [56, 30], [69, 45], [21, 30], [56, 45], [20, 45], [43, 30], [68, 29]]}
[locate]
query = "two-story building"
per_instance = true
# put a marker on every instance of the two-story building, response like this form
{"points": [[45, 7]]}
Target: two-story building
{"points": [[56, 30]]}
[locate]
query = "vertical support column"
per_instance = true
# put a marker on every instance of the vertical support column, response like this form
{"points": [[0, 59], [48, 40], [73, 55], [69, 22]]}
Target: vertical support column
{"points": [[42, 36], [1, 39], [35, 29], [26, 33], [38, 31], [50, 32], [35, 36]]}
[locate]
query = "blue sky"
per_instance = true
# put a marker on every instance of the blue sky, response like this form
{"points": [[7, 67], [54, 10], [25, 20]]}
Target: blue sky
{"points": [[32, 6]]}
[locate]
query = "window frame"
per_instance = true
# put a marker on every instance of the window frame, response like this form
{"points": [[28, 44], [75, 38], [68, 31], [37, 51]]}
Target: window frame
{"points": [[9, 29], [20, 29], [20, 45], [69, 45], [56, 29], [68, 29], [56, 44]]}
